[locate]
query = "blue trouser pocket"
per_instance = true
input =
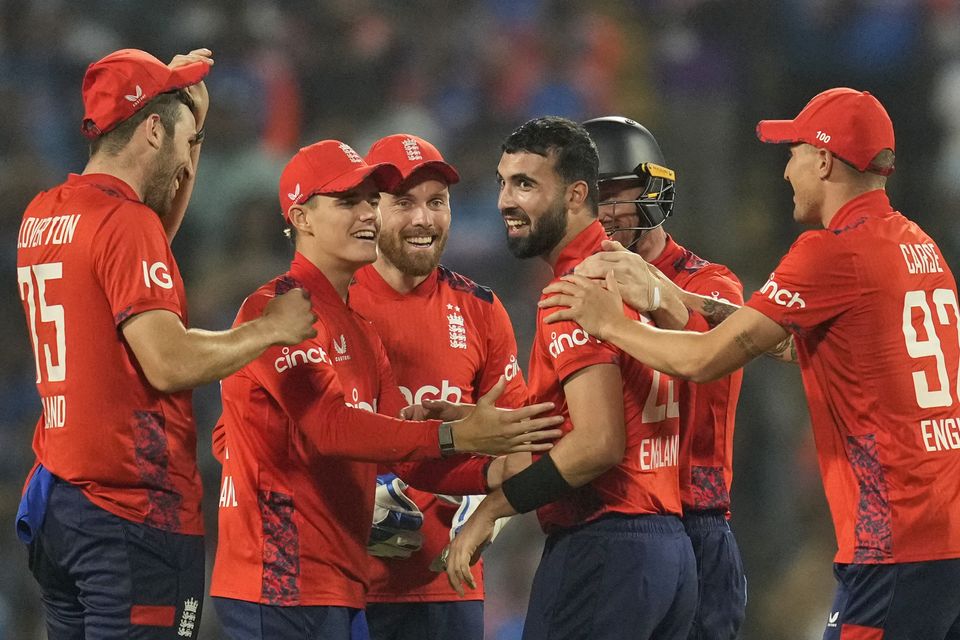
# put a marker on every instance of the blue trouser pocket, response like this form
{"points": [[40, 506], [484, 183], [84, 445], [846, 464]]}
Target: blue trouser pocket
{"points": [[33, 504]]}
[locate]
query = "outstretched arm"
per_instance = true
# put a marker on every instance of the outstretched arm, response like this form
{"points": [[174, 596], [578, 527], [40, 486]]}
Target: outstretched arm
{"points": [[700, 357]]}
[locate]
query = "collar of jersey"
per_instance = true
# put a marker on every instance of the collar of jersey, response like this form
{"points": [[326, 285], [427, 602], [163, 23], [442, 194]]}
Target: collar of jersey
{"points": [[370, 278], [307, 274], [668, 257], [106, 182], [586, 243], [871, 203]]}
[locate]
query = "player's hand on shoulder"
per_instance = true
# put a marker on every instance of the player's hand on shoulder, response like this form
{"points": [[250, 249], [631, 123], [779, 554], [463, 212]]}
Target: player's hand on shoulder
{"points": [[594, 305], [290, 317], [639, 286], [494, 431]]}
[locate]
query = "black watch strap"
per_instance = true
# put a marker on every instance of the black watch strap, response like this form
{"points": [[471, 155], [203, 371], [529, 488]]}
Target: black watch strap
{"points": [[445, 432]]}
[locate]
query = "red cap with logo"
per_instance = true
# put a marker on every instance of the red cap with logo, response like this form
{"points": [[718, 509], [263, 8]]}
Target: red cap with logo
{"points": [[851, 124], [411, 154], [119, 85], [329, 167]]}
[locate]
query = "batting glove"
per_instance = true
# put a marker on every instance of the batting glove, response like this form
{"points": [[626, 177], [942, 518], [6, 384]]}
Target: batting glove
{"points": [[396, 521]]}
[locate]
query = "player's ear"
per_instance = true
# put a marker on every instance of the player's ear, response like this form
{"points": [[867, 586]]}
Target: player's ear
{"points": [[299, 219], [825, 163], [577, 193], [153, 130]]}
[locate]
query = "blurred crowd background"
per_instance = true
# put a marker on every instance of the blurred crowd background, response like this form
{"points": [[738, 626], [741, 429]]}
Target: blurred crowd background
{"points": [[698, 73]]}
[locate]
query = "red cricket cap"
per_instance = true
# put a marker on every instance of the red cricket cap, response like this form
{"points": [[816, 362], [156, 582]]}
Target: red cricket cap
{"points": [[329, 167], [851, 124], [410, 154], [119, 85]]}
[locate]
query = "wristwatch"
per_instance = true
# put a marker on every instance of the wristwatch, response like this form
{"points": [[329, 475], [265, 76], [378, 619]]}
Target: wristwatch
{"points": [[445, 432]]}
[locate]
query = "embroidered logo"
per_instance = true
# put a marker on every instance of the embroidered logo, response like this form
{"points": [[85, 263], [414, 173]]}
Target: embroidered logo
{"points": [[296, 193], [412, 149], [136, 98], [458, 330], [189, 618], [340, 346], [352, 155]]}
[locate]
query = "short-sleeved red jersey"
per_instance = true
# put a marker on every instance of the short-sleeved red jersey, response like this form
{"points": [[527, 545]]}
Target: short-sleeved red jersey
{"points": [[873, 308], [646, 481], [295, 504], [447, 339], [89, 256], [707, 411]]}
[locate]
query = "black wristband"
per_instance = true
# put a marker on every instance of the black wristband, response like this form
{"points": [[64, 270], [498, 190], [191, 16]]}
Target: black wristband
{"points": [[445, 437], [535, 486]]}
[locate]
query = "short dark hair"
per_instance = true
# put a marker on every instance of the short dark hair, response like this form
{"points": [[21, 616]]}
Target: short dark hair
{"points": [[165, 105], [576, 154]]}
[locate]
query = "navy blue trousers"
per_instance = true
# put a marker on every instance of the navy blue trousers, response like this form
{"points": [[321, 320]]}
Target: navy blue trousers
{"points": [[905, 601], [617, 577], [722, 584], [242, 620], [104, 577], [418, 620]]}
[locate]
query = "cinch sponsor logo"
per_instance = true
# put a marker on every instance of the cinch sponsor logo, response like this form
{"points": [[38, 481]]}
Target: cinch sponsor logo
{"points": [[781, 296], [512, 369], [446, 391], [291, 359], [362, 404], [564, 341], [156, 274]]}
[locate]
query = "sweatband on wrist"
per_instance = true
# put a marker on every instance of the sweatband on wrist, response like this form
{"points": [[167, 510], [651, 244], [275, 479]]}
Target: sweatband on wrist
{"points": [[535, 486], [656, 299]]}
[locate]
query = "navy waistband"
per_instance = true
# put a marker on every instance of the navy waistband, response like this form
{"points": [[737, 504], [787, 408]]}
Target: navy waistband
{"points": [[627, 523], [709, 520]]}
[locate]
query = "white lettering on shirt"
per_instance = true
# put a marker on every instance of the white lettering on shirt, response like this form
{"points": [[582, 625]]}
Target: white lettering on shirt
{"points": [[658, 452], [921, 258], [940, 435], [446, 391], [54, 411], [781, 296], [55, 230]]}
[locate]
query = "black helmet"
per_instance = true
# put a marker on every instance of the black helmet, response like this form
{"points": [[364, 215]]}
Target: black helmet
{"points": [[628, 151]]}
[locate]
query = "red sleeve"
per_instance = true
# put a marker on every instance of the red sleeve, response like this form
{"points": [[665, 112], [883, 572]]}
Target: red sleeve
{"points": [[459, 475], [134, 264], [571, 348], [814, 283], [501, 359], [391, 401], [717, 282], [312, 396], [219, 440]]}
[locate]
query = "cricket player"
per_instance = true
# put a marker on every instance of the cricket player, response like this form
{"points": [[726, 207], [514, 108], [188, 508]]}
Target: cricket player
{"points": [[303, 426], [447, 338], [111, 509], [617, 562], [872, 307]]}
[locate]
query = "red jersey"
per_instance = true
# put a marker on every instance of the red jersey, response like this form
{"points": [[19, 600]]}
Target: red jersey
{"points": [[646, 480], [447, 339], [707, 411], [89, 256], [873, 308], [295, 512]]}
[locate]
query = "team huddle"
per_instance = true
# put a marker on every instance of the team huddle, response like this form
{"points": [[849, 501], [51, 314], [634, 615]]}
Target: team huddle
{"points": [[377, 430]]}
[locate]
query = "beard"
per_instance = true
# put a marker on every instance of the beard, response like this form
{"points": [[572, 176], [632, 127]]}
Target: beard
{"points": [[412, 263], [157, 191], [545, 234]]}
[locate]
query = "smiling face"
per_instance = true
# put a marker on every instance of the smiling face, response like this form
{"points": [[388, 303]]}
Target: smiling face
{"points": [[416, 221], [172, 164], [340, 231], [532, 203]]}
